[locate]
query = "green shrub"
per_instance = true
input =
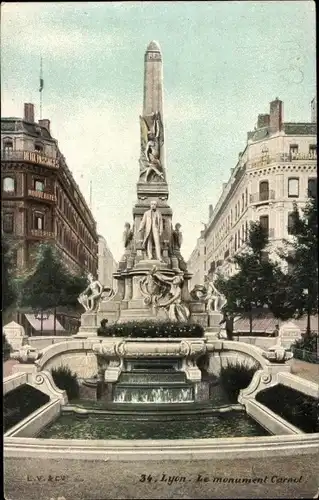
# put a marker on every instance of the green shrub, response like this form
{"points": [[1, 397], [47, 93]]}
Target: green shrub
{"points": [[20, 403], [66, 380], [307, 342], [236, 376], [6, 348], [149, 329], [294, 406]]}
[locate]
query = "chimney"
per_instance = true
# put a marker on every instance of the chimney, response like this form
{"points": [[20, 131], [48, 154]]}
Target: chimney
{"points": [[275, 121], [29, 112], [263, 121], [314, 110], [211, 210], [45, 124]]}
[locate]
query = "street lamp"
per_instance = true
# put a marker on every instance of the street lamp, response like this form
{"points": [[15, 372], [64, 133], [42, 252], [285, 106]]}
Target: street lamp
{"points": [[306, 294], [41, 315]]}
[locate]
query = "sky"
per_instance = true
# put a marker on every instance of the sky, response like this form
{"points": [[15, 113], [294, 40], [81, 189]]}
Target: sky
{"points": [[223, 62]]}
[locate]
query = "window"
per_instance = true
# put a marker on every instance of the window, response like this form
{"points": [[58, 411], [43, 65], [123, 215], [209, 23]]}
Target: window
{"points": [[293, 187], [293, 150], [242, 202], [235, 242], [264, 222], [313, 151], [9, 185], [39, 222], [312, 188], [246, 197], [263, 190], [38, 147], [246, 230], [7, 147], [39, 185], [7, 223], [290, 223]]}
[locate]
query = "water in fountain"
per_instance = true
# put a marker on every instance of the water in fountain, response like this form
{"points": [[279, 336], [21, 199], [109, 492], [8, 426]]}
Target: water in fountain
{"points": [[153, 395]]}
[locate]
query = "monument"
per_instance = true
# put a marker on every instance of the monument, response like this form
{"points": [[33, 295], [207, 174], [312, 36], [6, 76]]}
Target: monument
{"points": [[152, 277]]}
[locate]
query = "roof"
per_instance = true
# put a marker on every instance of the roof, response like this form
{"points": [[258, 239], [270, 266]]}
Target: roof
{"points": [[48, 324], [19, 125], [300, 128]]}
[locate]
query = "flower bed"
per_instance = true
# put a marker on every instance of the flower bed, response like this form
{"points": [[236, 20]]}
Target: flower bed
{"points": [[148, 329]]}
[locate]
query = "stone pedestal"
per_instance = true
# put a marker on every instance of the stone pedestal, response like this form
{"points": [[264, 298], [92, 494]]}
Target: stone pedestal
{"points": [[15, 335], [88, 389], [214, 319]]}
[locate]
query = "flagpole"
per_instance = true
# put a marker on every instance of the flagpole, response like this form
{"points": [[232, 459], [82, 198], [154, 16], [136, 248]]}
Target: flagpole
{"points": [[91, 195], [41, 87]]}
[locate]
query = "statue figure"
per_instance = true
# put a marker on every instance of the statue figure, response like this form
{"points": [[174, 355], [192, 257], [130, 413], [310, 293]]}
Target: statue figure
{"points": [[89, 298], [127, 235], [212, 296], [177, 237], [176, 310], [152, 225], [152, 140]]}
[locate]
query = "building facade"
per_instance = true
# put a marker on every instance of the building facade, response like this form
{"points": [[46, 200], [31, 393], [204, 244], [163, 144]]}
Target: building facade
{"points": [[277, 168], [107, 265], [40, 199]]}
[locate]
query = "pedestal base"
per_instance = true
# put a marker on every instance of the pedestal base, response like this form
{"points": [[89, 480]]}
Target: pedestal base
{"points": [[214, 319]]}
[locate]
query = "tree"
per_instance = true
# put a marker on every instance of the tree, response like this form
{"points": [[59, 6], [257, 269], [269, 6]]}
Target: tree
{"points": [[301, 253], [253, 284], [9, 292], [50, 284]]}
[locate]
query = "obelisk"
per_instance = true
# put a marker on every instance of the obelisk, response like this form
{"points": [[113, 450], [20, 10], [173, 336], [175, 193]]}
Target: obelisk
{"points": [[152, 182], [153, 80]]}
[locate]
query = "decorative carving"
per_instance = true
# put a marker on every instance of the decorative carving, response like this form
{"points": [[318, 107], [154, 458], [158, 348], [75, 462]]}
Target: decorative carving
{"points": [[151, 290], [198, 293], [118, 350], [152, 225], [91, 296], [26, 354], [278, 354], [175, 309], [39, 379], [152, 140], [266, 378]]}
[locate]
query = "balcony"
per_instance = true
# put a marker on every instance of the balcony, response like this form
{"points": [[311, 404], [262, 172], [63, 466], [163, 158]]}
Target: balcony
{"points": [[41, 195], [266, 159], [262, 197], [40, 233], [31, 157]]}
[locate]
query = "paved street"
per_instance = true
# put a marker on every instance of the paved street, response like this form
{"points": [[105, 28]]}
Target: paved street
{"points": [[306, 370], [7, 367]]}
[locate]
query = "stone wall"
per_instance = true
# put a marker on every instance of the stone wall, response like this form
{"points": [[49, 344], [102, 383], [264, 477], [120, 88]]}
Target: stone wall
{"points": [[265, 467], [217, 360], [83, 363]]}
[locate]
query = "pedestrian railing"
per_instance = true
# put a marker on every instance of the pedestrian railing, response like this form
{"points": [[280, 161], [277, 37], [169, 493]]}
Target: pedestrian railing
{"points": [[304, 355]]}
